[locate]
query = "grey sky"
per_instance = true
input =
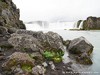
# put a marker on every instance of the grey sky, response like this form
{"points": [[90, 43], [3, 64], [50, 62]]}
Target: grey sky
{"points": [[67, 10]]}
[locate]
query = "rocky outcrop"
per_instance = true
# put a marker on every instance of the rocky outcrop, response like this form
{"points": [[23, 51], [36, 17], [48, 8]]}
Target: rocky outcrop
{"points": [[91, 23], [82, 50], [9, 15], [49, 40], [18, 62], [25, 42]]}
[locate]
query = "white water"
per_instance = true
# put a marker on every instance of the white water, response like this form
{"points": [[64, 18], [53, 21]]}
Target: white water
{"points": [[75, 25], [50, 26], [81, 25]]}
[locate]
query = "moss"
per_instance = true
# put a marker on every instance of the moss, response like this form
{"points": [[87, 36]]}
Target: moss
{"points": [[10, 63], [56, 56], [24, 49], [57, 59], [26, 67]]}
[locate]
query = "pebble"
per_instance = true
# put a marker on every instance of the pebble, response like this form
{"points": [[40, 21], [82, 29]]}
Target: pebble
{"points": [[44, 64]]}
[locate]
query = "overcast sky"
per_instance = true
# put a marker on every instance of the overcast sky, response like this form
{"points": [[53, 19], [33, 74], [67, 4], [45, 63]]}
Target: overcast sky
{"points": [[56, 10]]}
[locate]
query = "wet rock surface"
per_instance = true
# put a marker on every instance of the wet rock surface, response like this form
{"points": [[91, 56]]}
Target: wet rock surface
{"points": [[82, 50]]}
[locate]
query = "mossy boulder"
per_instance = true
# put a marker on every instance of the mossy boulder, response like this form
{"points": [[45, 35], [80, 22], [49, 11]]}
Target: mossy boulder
{"points": [[82, 49], [18, 58]]}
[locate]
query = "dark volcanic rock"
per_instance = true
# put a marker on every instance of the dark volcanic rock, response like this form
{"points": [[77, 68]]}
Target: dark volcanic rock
{"points": [[62, 69], [80, 45], [3, 30], [24, 42], [91, 23], [9, 15], [54, 40], [82, 49], [18, 63], [49, 39]]}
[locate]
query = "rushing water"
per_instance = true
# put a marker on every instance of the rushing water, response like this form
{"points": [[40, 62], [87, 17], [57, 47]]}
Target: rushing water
{"points": [[92, 36]]}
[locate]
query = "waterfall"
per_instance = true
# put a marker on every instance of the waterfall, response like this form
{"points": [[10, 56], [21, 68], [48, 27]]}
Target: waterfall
{"points": [[81, 25], [45, 25], [75, 25]]}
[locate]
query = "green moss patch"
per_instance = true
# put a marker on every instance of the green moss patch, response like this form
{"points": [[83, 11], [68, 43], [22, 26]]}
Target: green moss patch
{"points": [[55, 56], [27, 68]]}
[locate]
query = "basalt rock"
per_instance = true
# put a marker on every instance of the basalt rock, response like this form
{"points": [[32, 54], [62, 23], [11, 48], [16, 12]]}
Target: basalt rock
{"points": [[48, 40], [54, 41], [92, 23], [18, 63], [25, 42], [82, 50], [9, 15]]}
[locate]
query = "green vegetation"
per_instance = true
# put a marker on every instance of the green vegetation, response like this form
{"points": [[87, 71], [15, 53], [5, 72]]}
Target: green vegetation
{"points": [[27, 68], [24, 49], [56, 56]]}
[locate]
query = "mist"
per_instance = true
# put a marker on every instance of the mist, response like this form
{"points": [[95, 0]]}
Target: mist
{"points": [[57, 10]]}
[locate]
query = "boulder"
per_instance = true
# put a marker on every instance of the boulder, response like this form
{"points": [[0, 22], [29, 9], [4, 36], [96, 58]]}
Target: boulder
{"points": [[80, 45], [54, 41], [18, 59], [49, 40], [24, 42], [82, 50], [39, 35]]}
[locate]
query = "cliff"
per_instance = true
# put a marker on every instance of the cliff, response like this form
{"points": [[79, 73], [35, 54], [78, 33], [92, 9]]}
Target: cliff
{"points": [[92, 23], [9, 15]]}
